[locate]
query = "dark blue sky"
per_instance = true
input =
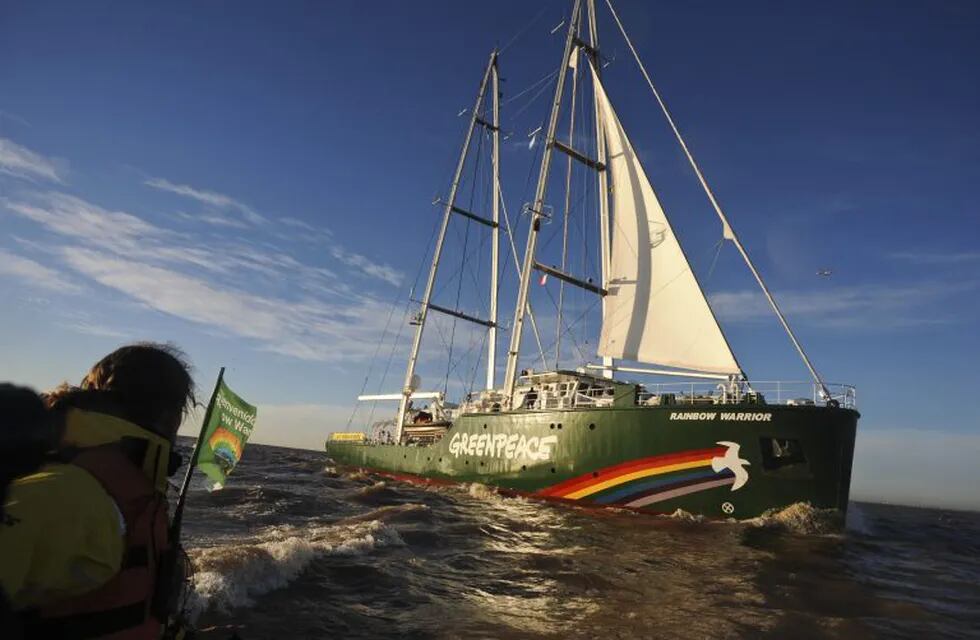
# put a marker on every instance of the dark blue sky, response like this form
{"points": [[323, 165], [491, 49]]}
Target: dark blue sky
{"points": [[837, 135]]}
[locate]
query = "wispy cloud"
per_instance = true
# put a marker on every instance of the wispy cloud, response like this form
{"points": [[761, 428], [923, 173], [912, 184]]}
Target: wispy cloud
{"points": [[28, 271], [307, 328], [14, 118], [21, 162], [296, 230], [132, 237], [210, 198], [368, 266], [98, 330], [248, 288], [878, 306], [937, 259], [305, 226]]}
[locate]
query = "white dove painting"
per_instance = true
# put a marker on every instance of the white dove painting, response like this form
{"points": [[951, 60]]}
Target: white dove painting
{"points": [[733, 463]]}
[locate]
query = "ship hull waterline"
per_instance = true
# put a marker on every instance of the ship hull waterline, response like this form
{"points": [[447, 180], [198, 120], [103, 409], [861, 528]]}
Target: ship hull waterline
{"points": [[719, 461]]}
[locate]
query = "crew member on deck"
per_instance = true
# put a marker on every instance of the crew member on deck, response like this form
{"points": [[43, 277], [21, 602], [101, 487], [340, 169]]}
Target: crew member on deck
{"points": [[82, 543]]}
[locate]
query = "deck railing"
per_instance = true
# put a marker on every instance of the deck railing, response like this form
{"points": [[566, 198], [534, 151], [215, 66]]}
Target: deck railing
{"points": [[772, 392]]}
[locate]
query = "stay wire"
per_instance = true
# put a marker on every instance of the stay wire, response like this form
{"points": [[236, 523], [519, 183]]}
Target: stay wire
{"points": [[523, 30]]}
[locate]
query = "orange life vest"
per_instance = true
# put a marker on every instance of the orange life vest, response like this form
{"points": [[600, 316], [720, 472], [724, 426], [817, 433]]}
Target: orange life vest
{"points": [[121, 609]]}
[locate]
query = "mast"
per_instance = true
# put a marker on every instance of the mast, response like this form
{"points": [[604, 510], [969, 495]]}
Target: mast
{"points": [[520, 309], [495, 240], [407, 388], [600, 142], [568, 200]]}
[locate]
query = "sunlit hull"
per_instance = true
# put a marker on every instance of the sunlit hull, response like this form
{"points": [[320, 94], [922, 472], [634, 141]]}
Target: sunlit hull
{"points": [[715, 460]]}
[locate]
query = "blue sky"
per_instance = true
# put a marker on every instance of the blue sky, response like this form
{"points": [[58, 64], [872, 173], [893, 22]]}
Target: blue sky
{"points": [[252, 181]]}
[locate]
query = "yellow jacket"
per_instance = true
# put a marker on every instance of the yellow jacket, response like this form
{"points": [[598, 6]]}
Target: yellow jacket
{"points": [[62, 534]]}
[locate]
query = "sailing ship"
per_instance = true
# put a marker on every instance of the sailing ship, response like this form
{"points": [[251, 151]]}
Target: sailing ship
{"points": [[718, 444]]}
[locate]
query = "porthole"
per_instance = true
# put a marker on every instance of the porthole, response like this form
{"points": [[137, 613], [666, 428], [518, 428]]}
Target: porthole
{"points": [[592, 427], [551, 426], [552, 470], [559, 425], [523, 467], [484, 426]]}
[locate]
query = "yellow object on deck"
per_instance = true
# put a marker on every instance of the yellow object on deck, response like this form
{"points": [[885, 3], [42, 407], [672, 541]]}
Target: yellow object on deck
{"points": [[353, 436]]}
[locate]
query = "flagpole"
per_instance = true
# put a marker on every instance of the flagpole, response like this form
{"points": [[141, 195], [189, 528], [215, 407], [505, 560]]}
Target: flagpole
{"points": [[179, 509]]}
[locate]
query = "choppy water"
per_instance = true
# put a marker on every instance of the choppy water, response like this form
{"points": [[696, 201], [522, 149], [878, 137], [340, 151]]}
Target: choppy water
{"points": [[293, 549]]}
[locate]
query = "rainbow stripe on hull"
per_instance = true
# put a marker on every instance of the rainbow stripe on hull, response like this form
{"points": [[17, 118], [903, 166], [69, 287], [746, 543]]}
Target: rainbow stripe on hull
{"points": [[646, 481]]}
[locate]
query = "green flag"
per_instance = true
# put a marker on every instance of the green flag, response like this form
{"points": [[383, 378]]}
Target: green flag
{"points": [[231, 423]]}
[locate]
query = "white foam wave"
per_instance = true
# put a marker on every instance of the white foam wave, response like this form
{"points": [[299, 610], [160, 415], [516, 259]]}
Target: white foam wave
{"points": [[389, 512], [481, 491], [802, 518], [229, 576], [374, 488], [686, 516]]}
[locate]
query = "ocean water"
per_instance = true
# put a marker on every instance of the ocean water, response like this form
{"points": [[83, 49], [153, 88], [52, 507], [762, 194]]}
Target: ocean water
{"points": [[294, 548]]}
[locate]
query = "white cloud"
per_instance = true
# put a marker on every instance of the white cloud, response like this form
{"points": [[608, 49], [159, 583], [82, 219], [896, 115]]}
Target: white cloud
{"points": [[299, 224], [927, 258], [21, 162], [222, 221], [219, 283], [14, 118], [127, 235], [368, 266], [309, 329], [877, 306], [25, 270], [211, 198], [98, 330], [76, 218]]}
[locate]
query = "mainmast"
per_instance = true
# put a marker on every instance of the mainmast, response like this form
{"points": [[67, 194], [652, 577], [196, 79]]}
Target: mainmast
{"points": [[450, 208], [495, 240], [520, 309], [600, 140]]}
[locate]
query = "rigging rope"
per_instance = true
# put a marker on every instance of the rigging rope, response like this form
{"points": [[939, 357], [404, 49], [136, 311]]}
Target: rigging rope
{"points": [[377, 349], [529, 88], [513, 252], [523, 30], [729, 233]]}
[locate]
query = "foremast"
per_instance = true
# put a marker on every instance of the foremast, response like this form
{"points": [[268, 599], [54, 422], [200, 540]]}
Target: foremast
{"points": [[490, 78]]}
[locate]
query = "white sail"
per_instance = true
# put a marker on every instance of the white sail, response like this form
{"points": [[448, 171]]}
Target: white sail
{"points": [[655, 311]]}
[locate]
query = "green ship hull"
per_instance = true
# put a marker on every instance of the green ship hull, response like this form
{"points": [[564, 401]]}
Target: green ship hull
{"points": [[715, 460]]}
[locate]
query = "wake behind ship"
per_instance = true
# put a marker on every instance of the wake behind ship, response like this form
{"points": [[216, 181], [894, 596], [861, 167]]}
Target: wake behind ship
{"points": [[717, 444]]}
